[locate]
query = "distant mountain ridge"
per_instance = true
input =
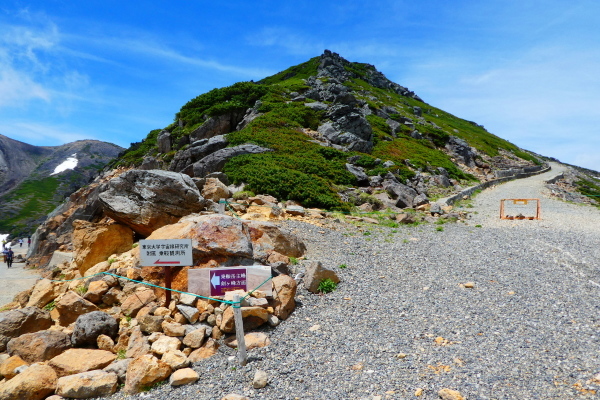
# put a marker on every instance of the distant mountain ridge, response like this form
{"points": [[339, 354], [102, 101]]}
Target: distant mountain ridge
{"points": [[29, 186]]}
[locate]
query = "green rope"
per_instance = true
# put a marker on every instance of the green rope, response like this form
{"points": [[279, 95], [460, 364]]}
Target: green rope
{"points": [[232, 303], [231, 209]]}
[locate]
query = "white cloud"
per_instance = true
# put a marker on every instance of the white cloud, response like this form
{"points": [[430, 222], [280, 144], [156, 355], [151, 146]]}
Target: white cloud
{"points": [[40, 134]]}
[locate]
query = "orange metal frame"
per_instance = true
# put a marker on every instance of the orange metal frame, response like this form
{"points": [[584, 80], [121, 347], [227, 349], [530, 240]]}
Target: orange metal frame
{"points": [[538, 209]]}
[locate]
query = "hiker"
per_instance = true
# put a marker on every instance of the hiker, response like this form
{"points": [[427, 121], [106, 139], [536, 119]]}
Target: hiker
{"points": [[4, 252], [9, 257], [20, 242], [3, 244], [29, 241]]}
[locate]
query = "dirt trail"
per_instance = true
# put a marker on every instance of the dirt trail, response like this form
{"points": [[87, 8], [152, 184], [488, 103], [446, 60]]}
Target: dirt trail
{"points": [[17, 278]]}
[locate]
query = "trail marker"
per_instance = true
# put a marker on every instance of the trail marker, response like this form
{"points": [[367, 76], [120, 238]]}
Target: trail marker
{"points": [[211, 282], [166, 253], [518, 207]]}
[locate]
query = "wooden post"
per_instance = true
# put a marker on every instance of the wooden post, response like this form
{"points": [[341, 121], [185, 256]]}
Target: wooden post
{"points": [[239, 330], [168, 286]]}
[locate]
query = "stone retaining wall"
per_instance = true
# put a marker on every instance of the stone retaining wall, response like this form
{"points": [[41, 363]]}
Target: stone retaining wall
{"points": [[517, 173]]}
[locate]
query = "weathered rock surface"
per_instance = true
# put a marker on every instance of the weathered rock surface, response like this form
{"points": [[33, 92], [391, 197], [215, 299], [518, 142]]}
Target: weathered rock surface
{"points": [[70, 306], [284, 292], [25, 320], [8, 367], [197, 150], [216, 161], [315, 273], [87, 384], [145, 371], [75, 361], [96, 242], [39, 346], [35, 383], [183, 377], [148, 200], [91, 325]]}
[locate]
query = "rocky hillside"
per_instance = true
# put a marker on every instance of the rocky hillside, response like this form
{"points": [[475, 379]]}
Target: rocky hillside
{"points": [[35, 179], [317, 131]]}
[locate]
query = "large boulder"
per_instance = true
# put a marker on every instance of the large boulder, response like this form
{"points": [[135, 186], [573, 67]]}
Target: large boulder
{"points": [[145, 371], [87, 384], [39, 346], [216, 161], [163, 142], [462, 151], [218, 125], [91, 325], [44, 292], [35, 383], [96, 242], [197, 151], [18, 322], [148, 200], [215, 190], [362, 179]]}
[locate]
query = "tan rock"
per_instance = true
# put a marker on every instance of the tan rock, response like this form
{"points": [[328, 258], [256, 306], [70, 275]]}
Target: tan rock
{"points": [[134, 302], [449, 394], [195, 339], [162, 312], [87, 384], [252, 340], [145, 371], [7, 368], [100, 267], [35, 383], [260, 379], [43, 293], [205, 306], [215, 190], [96, 242], [284, 292], [469, 285], [173, 329], [113, 296], [275, 257], [166, 343], [75, 361], [39, 346], [138, 344], [70, 306], [268, 237], [176, 359], [252, 316], [209, 349], [95, 291], [233, 396], [183, 377], [105, 342]]}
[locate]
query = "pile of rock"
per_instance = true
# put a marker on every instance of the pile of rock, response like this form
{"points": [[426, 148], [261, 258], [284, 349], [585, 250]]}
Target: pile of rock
{"points": [[81, 338]]}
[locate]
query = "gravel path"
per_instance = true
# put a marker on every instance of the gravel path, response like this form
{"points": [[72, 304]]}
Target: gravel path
{"points": [[402, 320], [17, 278]]}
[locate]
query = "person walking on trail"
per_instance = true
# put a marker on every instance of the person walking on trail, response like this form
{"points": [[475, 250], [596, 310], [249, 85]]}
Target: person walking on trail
{"points": [[20, 242], [4, 253], [9, 257], [29, 241]]}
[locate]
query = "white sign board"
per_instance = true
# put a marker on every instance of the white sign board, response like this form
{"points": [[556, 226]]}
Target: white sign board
{"points": [[166, 252]]}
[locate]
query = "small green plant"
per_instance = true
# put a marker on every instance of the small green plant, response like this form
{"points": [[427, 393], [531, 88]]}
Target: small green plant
{"points": [[293, 260], [439, 228], [50, 306], [81, 290], [133, 246], [327, 286], [121, 354], [478, 226], [343, 266], [111, 261], [406, 241], [243, 195], [367, 233]]}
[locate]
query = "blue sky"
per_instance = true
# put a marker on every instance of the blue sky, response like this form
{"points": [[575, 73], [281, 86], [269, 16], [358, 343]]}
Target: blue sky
{"points": [[526, 70]]}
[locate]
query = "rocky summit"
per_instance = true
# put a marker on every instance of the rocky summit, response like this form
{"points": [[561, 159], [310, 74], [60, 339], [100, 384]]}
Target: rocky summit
{"points": [[336, 205]]}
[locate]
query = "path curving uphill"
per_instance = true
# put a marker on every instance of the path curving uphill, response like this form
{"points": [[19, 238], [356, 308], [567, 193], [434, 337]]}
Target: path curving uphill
{"points": [[402, 321], [16, 279]]}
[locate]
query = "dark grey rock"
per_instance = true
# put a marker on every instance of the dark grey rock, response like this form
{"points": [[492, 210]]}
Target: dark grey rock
{"points": [[218, 125], [91, 325], [403, 194], [362, 179], [315, 273], [148, 200], [216, 161], [164, 142], [461, 150]]}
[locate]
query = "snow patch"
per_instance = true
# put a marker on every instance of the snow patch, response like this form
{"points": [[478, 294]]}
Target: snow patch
{"points": [[69, 163]]}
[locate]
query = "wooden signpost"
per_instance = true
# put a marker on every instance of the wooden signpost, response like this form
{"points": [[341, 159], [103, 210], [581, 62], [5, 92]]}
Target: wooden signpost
{"points": [[166, 253]]}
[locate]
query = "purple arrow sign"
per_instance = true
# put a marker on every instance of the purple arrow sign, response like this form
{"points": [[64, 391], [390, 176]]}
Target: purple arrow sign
{"points": [[226, 280]]}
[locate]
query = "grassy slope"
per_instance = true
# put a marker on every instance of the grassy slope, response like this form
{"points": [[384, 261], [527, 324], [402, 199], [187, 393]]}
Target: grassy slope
{"points": [[301, 170]]}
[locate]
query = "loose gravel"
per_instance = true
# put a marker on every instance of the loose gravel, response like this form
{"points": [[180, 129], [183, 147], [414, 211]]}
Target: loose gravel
{"points": [[402, 318]]}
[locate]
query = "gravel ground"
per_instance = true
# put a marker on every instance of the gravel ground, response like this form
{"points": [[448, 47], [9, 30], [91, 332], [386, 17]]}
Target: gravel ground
{"points": [[401, 320]]}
